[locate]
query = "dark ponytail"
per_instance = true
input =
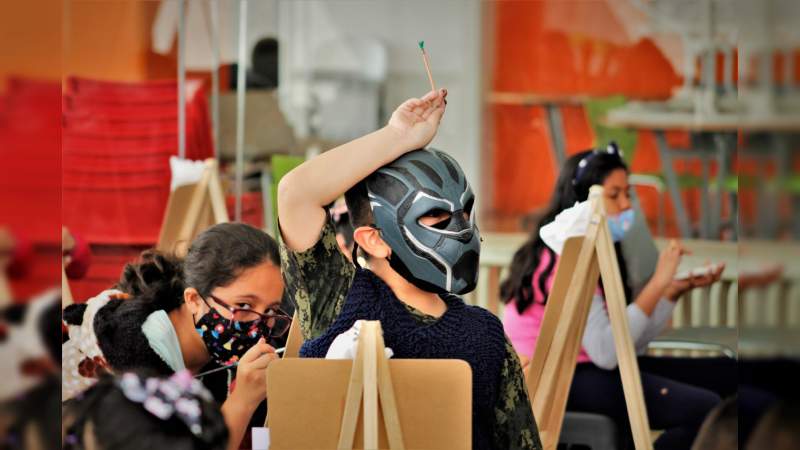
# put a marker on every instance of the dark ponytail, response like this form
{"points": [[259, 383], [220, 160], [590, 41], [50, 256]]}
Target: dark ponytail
{"points": [[568, 190], [156, 278], [118, 327]]}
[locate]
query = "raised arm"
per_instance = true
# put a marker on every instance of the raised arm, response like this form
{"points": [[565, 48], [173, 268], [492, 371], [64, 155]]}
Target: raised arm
{"points": [[305, 191]]}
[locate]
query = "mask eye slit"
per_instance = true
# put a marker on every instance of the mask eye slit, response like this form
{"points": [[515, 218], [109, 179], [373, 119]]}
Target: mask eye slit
{"points": [[468, 208], [436, 218]]}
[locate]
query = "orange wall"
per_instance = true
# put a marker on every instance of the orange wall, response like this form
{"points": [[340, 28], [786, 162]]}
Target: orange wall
{"points": [[30, 39], [530, 59], [92, 38], [111, 40]]}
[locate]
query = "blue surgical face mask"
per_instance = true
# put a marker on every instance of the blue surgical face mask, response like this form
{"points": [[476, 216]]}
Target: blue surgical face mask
{"points": [[620, 224]]}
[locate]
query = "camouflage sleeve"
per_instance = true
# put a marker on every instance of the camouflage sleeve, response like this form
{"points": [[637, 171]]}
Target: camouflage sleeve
{"points": [[317, 281], [515, 426]]}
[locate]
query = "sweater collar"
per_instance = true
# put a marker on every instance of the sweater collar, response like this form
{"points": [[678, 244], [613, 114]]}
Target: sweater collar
{"points": [[381, 291]]}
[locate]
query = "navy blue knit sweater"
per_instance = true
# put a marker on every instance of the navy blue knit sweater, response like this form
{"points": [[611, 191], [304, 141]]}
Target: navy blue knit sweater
{"points": [[464, 332]]}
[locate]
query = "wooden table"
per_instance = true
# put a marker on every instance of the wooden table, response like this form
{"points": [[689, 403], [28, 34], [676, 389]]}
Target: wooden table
{"points": [[551, 105], [713, 136], [498, 249]]}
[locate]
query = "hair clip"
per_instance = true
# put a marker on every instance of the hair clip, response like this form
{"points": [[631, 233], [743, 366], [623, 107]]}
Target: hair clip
{"points": [[612, 149]]}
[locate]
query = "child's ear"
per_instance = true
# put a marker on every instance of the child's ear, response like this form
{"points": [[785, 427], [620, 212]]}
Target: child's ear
{"points": [[193, 301], [369, 239]]}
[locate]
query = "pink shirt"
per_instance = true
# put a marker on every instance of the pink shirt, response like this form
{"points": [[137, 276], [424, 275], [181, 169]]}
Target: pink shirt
{"points": [[523, 329]]}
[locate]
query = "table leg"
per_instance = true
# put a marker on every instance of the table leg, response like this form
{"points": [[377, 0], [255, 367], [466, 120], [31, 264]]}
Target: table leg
{"points": [[555, 125], [795, 217], [734, 209], [765, 209], [672, 185], [707, 222], [783, 162], [725, 145]]}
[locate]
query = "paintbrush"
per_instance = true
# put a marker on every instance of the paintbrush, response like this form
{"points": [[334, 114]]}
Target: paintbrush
{"points": [[231, 366], [427, 64]]}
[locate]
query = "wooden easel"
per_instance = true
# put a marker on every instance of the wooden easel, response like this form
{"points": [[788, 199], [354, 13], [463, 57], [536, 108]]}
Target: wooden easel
{"points": [[6, 247], [295, 339], [66, 292], [191, 209], [370, 402], [5, 290], [370, 378], [583, 261]]}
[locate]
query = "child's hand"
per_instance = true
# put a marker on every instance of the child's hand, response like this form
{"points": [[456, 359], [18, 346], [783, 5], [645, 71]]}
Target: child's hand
{"points": [[416, 120], [251, 374], [667, 265], [679, 287]]}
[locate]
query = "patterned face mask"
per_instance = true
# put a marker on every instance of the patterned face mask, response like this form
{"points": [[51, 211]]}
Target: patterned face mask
{"points": [[227, 340]]}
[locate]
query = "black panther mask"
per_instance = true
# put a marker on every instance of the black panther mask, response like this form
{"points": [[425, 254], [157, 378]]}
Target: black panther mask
{"points": [[440, 258]]}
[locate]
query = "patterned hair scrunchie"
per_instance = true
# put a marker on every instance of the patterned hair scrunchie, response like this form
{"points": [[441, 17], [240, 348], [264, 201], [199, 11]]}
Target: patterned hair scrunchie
{"points": [[82, 361], [178, 396]]}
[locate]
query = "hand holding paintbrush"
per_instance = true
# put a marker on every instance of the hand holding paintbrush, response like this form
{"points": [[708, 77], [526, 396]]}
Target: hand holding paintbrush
{"points": [[233, 365]]}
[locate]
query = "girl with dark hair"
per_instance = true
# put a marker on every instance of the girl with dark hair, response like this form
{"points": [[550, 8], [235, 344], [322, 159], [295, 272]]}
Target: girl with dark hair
{"points": [[134, 412], [678, 392], [217, 307]]}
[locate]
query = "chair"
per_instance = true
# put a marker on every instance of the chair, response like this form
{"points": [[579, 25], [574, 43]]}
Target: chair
{"points": [[587, 430], [117, 138]]}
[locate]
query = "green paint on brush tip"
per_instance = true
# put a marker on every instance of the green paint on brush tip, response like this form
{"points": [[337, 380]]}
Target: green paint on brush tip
{"points": [[422, 45]]}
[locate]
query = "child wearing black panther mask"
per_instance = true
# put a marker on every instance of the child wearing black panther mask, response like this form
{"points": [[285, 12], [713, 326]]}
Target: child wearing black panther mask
{"points": [[411, 209]]}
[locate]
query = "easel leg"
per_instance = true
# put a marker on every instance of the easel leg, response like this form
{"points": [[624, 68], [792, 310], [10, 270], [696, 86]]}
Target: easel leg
{"points": [[370, 387], [194, 211], [352, 404], [560, 368], [554, 309], [573, 347], [388, 404], [628, 365], [217, 197], [561, 346], [66, 293]]}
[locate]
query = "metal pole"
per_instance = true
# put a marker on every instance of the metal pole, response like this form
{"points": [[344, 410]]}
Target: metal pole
{"points": [[240, 97], [727, 71], [181, 79], [214, 31], [672, 185], [788, 70], [556, 128]]}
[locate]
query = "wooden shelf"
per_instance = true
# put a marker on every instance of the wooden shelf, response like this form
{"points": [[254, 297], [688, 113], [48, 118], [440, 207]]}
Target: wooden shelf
{"points": [[533, 99]]}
